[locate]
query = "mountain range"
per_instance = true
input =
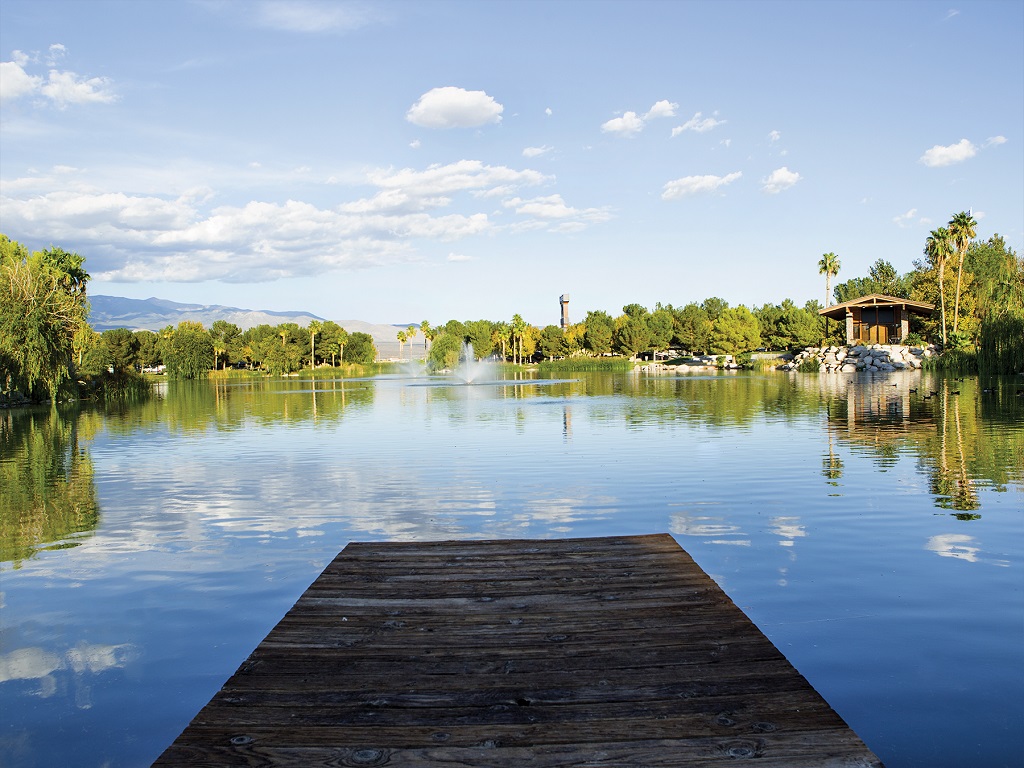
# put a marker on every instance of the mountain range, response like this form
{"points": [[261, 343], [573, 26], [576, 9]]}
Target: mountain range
{"points": [[153, 314]]}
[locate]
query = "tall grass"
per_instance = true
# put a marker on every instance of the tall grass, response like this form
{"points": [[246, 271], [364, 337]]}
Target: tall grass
{"points": [[956, 361], [588, 364]]}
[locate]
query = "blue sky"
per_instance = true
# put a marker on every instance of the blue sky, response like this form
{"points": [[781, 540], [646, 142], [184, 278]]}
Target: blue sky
{"points": [[400, 161]]}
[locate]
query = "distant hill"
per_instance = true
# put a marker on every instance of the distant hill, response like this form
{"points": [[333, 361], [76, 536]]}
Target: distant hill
{"points": [[153, 314]]}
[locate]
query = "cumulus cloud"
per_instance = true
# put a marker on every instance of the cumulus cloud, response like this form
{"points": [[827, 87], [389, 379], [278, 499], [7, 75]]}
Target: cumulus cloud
{"points": [[554, 210], [631, 123], [627, 125], [451, 107], [939, 156], [15, 82], [995, 141], [193, 236], [536, 151], [692, 185], [61, 87], [661, 108], [910, 218], [774, 136], [778, 180], [697, 123]]}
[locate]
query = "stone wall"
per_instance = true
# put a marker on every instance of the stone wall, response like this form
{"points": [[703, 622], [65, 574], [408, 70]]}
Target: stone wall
{"points": [[874, 357]]}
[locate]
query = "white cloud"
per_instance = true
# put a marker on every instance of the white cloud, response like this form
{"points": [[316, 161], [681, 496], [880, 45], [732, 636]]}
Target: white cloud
{"points": [[631, 123], [661, 108], [692, 185], [415, 144], [451, 107], [311, 15], [536, 151], [190, 237], [553, 209], [63, 88], [459, 257], [627, 125], [939, 156], [950, 14], [774, 136], [905, 219], [15, 82], [697, 123], [780, 179], [548, 112], [995, 141]]}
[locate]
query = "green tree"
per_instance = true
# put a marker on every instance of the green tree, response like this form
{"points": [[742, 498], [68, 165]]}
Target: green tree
{"points": [[401, 336], [938, 248], [315, 327], [149, 349], [714, 307], [445, 351], [829, 267], [998, 276], [42, 308], [552, 342], [332, 340], [632, 335], [962, 229], [190, 351], [661, 325], [120, 349], [693, 328], [360, 349], [598, 334], [735, 331], [227, 341], [478, 333]]}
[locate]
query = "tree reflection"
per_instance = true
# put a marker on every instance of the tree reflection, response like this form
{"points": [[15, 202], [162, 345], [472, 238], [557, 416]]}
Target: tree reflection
{"points": [[47, 491]]}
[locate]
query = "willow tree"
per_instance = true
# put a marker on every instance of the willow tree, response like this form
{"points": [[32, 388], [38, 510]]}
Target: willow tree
{"points": [[962, 230], [42, 308], [828, 266], [938, 248]]}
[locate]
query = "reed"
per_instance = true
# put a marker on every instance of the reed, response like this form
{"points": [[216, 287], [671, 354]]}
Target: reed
{"points": [[588, 364]]}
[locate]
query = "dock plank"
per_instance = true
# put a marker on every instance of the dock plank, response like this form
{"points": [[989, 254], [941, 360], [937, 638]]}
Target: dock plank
{"points": [[614, 651]]}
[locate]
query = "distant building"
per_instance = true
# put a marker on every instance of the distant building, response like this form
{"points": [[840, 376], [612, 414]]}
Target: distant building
{"points": [[563, 302], [877, 318]]}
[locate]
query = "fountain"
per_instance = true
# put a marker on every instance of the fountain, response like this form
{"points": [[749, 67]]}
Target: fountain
{"points": [[473, 371]]}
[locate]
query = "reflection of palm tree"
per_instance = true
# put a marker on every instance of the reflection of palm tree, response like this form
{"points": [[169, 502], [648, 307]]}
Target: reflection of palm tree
{"points": [[965, 497], [831, 465]]}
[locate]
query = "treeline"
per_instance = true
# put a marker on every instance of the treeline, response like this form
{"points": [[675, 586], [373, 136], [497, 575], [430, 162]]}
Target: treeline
{"points": [[47, 346]]}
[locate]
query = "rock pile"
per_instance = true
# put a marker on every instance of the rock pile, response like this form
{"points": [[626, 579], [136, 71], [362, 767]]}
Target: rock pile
{"points": [[875, 357]]}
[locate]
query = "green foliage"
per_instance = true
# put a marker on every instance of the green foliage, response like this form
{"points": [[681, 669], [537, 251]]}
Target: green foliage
{"points": [[360, 349], [809, 365], [43, 309], [714, 307], [588, 365], [631, 335], [189, 351], [736, 330], [1002, 343], [478, 333], [444, 352], [552, 342], [882, 278], [787, 326], [598, 336], [953, 361], [693, 328]]}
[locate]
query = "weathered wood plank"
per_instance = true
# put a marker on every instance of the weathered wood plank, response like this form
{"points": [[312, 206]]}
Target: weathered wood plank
{"points": [[614, 651]]}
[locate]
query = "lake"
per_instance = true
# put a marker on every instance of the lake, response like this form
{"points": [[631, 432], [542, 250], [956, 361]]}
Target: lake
{"points": [[874, 533]]}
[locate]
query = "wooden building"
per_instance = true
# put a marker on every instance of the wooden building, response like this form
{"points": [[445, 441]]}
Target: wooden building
{"points": [[876, 318]]}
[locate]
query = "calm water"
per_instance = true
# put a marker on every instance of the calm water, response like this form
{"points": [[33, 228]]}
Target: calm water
{"points": [[875, 535]]}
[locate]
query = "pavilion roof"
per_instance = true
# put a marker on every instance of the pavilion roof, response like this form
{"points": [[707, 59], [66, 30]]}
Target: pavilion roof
{"points": [[838, 311]]}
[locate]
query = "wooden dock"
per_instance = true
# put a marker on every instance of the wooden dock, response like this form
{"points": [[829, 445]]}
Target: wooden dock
{"points": [[613, 651]]}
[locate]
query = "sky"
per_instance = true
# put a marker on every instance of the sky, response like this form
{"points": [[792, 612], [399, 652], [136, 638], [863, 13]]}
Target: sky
{"points": [[395, 162]]}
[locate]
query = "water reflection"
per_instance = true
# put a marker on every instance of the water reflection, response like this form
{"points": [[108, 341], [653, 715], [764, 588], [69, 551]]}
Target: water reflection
{"points": [[47, 490]]}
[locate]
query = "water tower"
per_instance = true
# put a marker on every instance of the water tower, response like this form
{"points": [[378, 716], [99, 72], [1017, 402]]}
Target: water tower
{"points": [[563, 301]]}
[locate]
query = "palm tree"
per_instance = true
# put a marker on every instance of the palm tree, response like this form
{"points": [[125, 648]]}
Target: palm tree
{"points": [[962, 229], [428, 334], [829, 267], [410, 333], [401, 340], [518, 331], [938, 247], [315, 326]]}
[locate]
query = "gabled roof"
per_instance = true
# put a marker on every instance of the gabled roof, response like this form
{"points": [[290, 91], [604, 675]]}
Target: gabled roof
{"points": [[838, 311]]}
